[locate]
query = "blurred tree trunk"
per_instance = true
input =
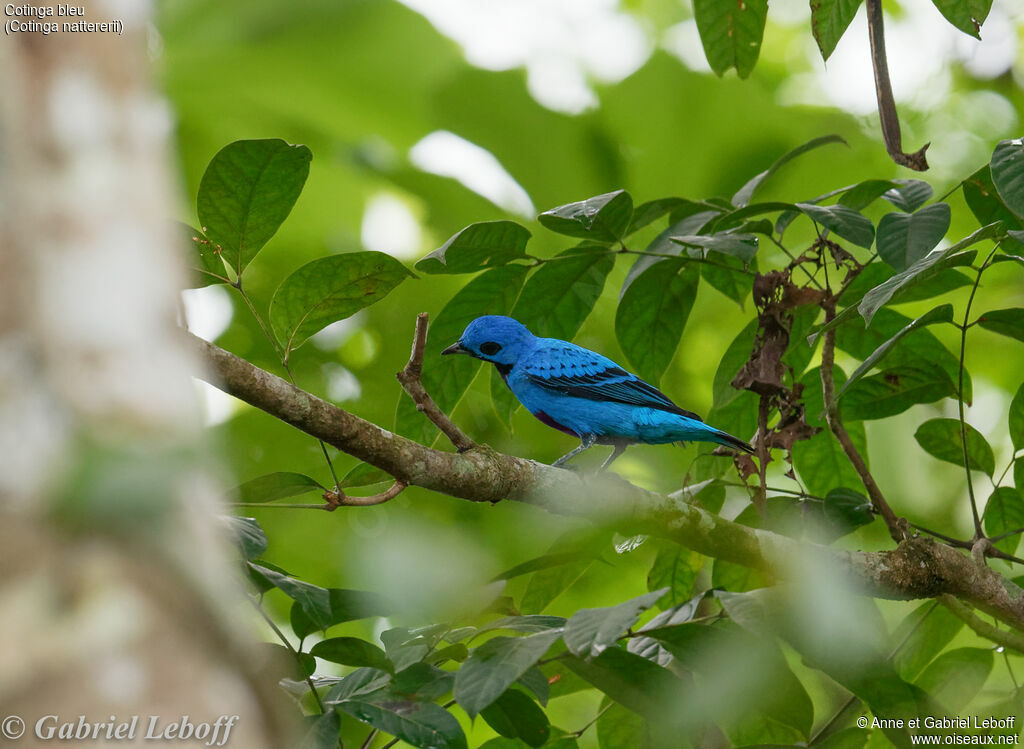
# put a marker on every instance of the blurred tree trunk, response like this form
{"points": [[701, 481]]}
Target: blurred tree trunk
{"points": [[114, 581]]}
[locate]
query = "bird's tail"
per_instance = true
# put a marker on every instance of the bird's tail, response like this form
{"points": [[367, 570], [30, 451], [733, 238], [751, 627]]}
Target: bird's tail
{"points": [[729, 441]]}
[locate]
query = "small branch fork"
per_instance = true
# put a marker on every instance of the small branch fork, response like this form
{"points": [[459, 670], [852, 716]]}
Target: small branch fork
{"points": [[409, 378], [887, 114]]}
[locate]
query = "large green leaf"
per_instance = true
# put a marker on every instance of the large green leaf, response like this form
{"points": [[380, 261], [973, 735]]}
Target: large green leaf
{"points": [[894, 390], [863, 194], [590, 631], [1008, 322], [546, 585], [731, 33], [1004, 513], [314, 600], [984, 201], [344, 605], [351, 651], [422, 724], [652, 313], [925, 632], [676, 569], [966, 15], [634, 682], [516, 716], [277, 486], [940, 438], [528, 623], [652, 210], [330, 289], [621, 728], [922, 270], [745, 194], [743, 246], [491, 293], [249, 536], [956, 676], [546, 561], [1016, 420], [1008, 174], [247, 191], [323, 733], [909, 194], [494, 667], [478, 246], [604, 218], [204, 257], [820, 461], [844, 221], [905, 238], [560, 294], [943, 313], [829, 20]]}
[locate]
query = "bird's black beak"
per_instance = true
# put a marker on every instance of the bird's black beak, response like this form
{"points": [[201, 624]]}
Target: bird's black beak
{"points": [[455, 348]]}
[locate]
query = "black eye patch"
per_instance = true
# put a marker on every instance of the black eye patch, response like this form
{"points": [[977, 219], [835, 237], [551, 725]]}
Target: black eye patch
{"points": [[490, 348]]}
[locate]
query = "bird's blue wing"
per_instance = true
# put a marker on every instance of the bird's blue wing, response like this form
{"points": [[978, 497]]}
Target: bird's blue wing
{"points": [[572, 370]]}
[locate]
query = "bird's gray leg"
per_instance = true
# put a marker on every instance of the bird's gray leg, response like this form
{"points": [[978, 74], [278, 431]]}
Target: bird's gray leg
{"points": [[619, 449], [586, 441]]}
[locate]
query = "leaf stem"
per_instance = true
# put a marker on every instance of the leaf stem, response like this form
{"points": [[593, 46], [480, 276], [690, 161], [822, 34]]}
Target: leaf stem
{"points": [[592, 721]]}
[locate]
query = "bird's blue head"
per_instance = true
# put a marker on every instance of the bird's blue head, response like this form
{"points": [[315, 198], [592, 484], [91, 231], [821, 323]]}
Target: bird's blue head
{"points": [[494, 338]]}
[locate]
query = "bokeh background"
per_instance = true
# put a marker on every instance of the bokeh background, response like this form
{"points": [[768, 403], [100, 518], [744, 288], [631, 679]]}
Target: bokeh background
{"points": [[428, 115]]}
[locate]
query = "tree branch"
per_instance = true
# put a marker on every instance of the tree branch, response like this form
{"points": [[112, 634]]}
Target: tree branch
{"points": [[409, 378], [917, 568], [889, 118]]}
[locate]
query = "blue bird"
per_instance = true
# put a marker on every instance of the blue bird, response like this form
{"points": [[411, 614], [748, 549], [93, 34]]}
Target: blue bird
{"points": [[582, 393]]}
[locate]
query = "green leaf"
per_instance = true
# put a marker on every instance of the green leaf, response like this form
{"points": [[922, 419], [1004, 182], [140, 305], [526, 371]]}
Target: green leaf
{"points": [[1004, 512], [984, 201], [846, 510], [516, 716], [603, 218], [204, 257], [331, 289], [560, 294], [905, 238], [493, 292], [675, 568], [545, 561], [323, 733], [845, 222], [733, 359], [314, 600], [731, 33], [277, 486], [923, 269], [863, 194], [734, 284], [620, 728], [943, 313], [494, 667], [743, 246], [590, 631], [422, 724], [344, 606], [363, 474], [1008, 174], [246, 193], [535, 680], [909, 195], [745, 194], [528, 623], [421, 681], [925, 632], [848, 738], [1008, 322], [652, 210], [652, 314], [894, 390], [248, 535], [478, 246], [966, 15], [351, 651], [820, 461], [634, 682], [546, 585], [1016, 420], [956, 676], [829, 20], [940, 438]]}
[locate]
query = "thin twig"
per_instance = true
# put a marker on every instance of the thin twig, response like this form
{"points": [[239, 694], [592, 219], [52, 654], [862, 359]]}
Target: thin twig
{"points": [[887, 115], [828, 387], [409, 377], [963, 612], [592, 721], [291, 648]]}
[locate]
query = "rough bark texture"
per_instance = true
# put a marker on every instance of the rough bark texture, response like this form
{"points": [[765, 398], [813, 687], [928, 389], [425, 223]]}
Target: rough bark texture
{"points": [[115, 581], [916, 568]]}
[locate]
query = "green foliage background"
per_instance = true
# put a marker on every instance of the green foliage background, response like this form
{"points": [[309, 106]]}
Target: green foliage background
{"points": [[360, 83]]}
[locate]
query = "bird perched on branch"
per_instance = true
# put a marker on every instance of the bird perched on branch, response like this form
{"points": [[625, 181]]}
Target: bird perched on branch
{"points": [[581, 392]]}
